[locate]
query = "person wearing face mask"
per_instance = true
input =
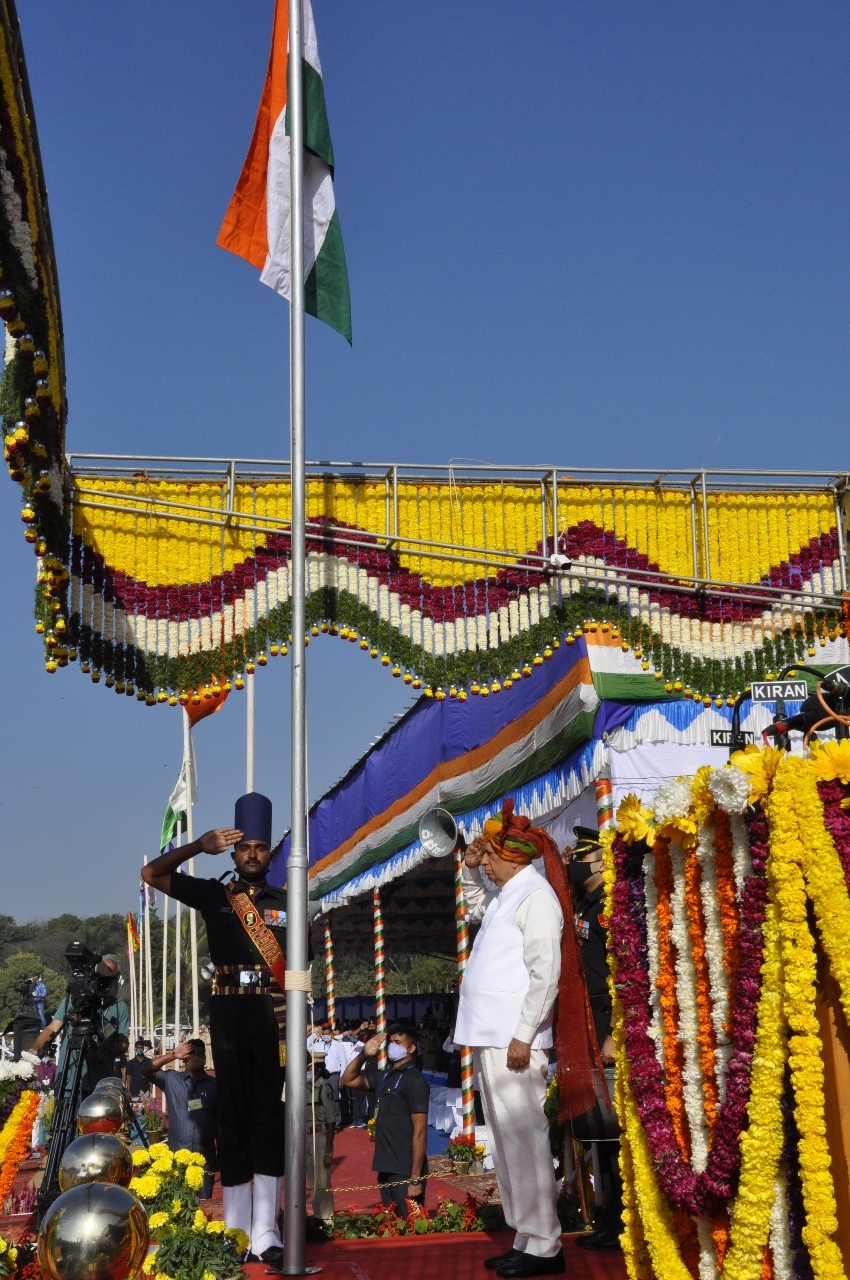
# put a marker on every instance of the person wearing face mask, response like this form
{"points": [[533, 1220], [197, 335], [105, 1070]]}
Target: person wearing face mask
{"points": [[401, 1119], [585, 875], [134, 1076], [192, 1099], [246, 933]]}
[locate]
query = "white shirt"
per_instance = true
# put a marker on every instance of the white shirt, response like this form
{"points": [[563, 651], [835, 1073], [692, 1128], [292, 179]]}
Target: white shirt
{"points": [[539, 919]]}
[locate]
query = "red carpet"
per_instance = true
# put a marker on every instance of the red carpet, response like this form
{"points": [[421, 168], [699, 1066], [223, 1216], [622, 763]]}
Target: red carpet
{"points": [[446, 1257]]}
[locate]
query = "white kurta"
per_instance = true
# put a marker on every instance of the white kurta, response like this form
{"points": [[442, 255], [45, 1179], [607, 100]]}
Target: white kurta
{"points": [[508, 992]]}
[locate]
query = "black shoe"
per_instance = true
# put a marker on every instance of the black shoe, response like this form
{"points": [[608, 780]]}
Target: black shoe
{"points": [[602, 1241], [492, 1263], [273, 1257], [530, 1264]]}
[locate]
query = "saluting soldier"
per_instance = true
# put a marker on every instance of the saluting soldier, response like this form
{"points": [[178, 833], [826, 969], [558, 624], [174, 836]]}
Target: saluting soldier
{"points": [[246, 932]]}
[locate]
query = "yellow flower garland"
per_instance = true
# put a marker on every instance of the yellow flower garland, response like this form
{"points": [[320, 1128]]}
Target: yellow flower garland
{"points": [[648, 1226], [788, 839], [825, 883], [761, 1142]]}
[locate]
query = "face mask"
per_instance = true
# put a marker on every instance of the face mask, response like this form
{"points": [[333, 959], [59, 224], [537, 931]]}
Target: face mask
{"points": [[578, 872], [395, 1052], [327, 1037]]}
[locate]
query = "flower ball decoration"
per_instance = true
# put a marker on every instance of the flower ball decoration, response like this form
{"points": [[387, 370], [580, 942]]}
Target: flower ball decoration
{"points": [[96, 1231]]}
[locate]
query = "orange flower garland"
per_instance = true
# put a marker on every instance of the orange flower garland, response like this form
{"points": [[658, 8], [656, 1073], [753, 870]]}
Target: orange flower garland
{"points": [[15, 1140], [666, 985], [724, 871], [705, 1028]]}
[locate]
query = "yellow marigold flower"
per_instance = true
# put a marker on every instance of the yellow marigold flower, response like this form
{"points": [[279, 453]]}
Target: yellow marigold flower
{"points": [[176, 1206], [194, 1177], [158, 1150], [832, 760], [161, 1275], [760, 765], [195, 1157], [208, 1275], [239, 1238], [183, 1156], [161, 1166], [157, 1220], [149, 1264], [148, 1186], [140, 1157], [701, 797], [3, 1246], [634, 821], [199, 1222], [215, 1227]]}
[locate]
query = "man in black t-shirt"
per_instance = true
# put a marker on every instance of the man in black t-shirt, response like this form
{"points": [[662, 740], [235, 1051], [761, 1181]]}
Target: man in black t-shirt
{"points": [[401, 1117], [133, 1076]]}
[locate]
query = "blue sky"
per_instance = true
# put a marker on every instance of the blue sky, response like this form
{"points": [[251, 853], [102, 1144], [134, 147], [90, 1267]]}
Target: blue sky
{"points": [[581, 233]]}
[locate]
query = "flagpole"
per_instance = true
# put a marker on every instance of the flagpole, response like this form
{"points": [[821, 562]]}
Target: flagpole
{"points": [[133, 1028], [140, 985], [188, 773], [148, 962], [296, 871], [165, 913], [250, 686]]}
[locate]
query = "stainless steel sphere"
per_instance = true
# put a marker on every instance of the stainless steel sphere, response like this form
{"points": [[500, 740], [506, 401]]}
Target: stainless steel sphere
{"points": [[96, 1157], [100, 1113], [113, 1087], [94, 1232]]}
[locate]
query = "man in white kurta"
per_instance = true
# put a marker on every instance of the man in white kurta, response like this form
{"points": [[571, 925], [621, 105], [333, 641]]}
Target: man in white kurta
{"points": [[505, 1015]]}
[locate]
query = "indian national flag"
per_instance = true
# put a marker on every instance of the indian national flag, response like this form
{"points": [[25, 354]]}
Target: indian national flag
{"points": [[256, 225]]}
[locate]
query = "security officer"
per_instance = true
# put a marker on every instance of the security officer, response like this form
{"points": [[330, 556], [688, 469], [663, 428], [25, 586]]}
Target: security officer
{"points": [[585, 875], [246, 931]]}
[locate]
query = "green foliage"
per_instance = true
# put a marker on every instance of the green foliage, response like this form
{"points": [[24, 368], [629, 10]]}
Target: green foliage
{"points": [[407, 974], [19, 968], [449, 1216]]}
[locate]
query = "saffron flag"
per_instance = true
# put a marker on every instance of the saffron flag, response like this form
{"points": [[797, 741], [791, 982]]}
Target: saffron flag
{"points": [[257, 223], [133, 939]]}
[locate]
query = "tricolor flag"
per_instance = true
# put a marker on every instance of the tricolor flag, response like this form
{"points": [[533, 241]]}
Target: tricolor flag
{"points": [[256, 225], [185, 793]]}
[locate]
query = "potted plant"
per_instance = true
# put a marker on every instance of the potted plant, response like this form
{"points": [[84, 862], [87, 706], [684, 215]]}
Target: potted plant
{"points": [[462, 1151], [150, 1117]]}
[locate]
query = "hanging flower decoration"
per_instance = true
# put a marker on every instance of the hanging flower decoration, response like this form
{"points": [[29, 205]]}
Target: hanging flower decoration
{"points": [[725, 1154]]}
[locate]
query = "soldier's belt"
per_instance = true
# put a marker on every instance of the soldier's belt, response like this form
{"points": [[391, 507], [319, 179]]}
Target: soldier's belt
{"points": [[244, 980]]}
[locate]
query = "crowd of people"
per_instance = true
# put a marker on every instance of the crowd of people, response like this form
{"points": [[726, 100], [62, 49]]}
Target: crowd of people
{"points": [[534, 1001]]}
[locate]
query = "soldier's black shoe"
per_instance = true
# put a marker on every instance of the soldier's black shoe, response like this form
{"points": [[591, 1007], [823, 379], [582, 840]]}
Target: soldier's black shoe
{"points": [[492, 1263], [531, 1264]]}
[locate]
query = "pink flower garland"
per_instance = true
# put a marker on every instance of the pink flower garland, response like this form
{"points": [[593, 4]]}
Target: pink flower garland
{"points": [[705, 1193], [837, 822]]}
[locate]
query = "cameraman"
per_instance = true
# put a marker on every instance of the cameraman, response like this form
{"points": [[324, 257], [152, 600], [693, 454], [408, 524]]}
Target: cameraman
{"points": [[110, 1020]]}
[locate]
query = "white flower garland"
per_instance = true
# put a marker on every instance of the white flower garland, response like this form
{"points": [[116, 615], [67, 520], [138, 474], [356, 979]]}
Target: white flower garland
{"points": [[718, 977], [780, 1235], [672, 800], [741, 861], [688, 1019], [655, 1029], [707, 1251], [730, 788]]}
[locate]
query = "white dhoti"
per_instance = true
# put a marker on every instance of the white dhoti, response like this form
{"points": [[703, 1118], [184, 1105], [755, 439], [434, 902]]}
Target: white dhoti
{"points": [[519, 1142]]}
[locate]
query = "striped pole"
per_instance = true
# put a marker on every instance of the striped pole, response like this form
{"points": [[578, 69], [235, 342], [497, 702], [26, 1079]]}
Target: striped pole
{"points": [[329, 974], [380, 975], [462, 932], [604, 803]]}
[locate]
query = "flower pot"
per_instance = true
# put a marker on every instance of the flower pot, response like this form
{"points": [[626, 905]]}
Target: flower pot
{"points": [[476, 1166], [461, 1167]]}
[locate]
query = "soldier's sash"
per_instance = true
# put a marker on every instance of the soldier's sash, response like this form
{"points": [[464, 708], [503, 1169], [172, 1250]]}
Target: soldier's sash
{"points": [[262, 938]]}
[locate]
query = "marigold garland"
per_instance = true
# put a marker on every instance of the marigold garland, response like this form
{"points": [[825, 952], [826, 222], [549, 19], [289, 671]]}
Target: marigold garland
{"points": [[15, 1140], [666, 984], [788, 854], [705, 1030]]}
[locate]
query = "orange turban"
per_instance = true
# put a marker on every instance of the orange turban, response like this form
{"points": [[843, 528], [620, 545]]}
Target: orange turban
{"points": [[513, 837]]}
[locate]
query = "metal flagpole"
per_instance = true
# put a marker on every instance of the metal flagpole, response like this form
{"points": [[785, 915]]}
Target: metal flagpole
{"points": [[250, 686], [296, 872], [188, 774]]}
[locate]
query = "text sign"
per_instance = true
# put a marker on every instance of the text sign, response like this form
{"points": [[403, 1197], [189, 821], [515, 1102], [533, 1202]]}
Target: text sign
{"points": [[770, 690], [723, 737]]}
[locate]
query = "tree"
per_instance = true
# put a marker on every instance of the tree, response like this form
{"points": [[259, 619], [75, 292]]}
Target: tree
{"points": [[20, 968]]}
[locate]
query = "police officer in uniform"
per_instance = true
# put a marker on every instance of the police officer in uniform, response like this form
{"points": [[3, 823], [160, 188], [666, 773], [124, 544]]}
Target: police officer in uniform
{"points": [[243, 1027], [585, 875]]}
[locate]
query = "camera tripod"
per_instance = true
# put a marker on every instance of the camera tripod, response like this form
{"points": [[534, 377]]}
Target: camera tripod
{"points": [[83, 1037]]}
